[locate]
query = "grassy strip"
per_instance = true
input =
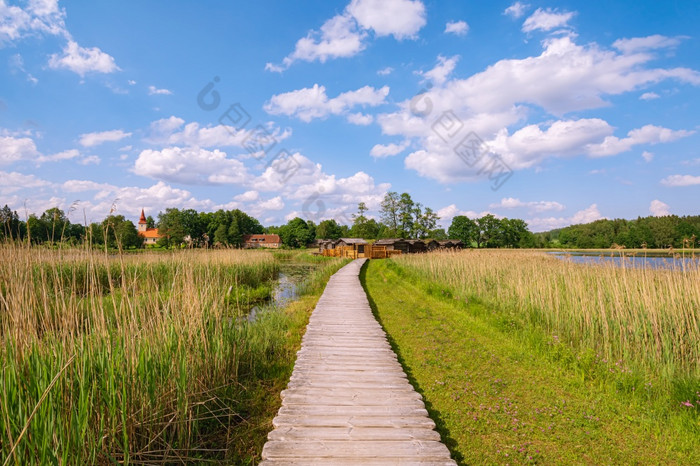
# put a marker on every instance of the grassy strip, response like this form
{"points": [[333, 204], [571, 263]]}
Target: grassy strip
{"points": [[497, 398]]}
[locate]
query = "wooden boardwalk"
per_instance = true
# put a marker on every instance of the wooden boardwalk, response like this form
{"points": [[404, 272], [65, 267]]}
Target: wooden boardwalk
{"points": [[348, 400]]}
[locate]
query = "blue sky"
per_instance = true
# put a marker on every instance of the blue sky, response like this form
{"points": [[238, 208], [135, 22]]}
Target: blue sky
{"points": [[554, 112]]}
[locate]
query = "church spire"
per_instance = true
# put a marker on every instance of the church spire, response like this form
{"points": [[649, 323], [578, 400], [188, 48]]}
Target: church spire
{"points": [[143, 218]]}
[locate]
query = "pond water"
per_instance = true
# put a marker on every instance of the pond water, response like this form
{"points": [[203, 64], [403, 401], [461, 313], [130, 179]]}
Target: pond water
{"points": [[654, 262], [284, 288]]}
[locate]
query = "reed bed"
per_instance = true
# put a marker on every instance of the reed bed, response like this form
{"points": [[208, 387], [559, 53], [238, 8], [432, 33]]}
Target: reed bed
{"points": [[640, 320], [129, 358]]}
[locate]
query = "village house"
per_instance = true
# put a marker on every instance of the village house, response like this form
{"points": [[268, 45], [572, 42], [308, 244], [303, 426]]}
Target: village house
{"points": [[261, 241], [150, 235]]}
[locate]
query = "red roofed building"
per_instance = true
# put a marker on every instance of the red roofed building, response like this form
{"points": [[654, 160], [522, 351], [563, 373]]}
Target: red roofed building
{"points": [[150, 235], [261, 241]]}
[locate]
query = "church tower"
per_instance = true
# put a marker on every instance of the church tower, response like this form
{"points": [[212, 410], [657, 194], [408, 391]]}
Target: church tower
{"points": [[142, 222]]}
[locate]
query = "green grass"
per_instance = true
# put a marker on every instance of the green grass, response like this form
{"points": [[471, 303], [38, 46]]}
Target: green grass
{"points": [[501, 394], [142, 359]]}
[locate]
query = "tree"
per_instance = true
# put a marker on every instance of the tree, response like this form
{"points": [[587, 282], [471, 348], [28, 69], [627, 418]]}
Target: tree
{"points": [[328, 229], [296, 233], [221, 234], [425, 222], [465, 229], [406, 210], [150, 222], [489, 231], [171, 227], [119, 233], [389, 213], [10, 225]]}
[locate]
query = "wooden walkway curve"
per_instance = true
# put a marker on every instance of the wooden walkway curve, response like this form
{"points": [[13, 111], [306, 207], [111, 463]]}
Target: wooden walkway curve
{"points": [[348, 400]]}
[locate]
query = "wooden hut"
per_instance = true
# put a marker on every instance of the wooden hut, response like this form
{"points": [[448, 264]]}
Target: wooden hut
{"points": [[432, 245], [393, 244], [457, 244], [445, 244], [416, 246]]}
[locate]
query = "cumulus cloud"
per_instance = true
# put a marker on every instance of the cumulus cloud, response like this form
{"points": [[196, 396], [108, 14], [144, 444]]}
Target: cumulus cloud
{"points": [[536, 206], [547, 19], [36, 18], [516, 10], [388, 150], [13, 149], [385, 71], [174, 131], [190, 165], [346, 34], [310, 103], [590, 214], [11, 182], [444, 68], [458, 28], [649, 96], [360, 119], [675, 181], [647, 156], [451, 211], [493, 103], [83, 60], [153, 90], [97, 138], [643, 44], [659, 209]]}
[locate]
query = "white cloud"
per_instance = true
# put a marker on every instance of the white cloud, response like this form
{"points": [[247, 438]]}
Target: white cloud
{"points": [[458, 28], [173, 131], [82, 60], [309, 103], [14, 149], [65, 155], [388, 150], [546, 20], [442, 70], [339, 37], [649, 96], [346, 34], [659, 209], [97, 138], [648, 134], [38, 17], [451, 211], [247, 196], [642, 44], [153, 90], [590, 214], [516, 10], [360, 119], [681, 180], [131, 82], [385, 71], [647, 156], [190, 165], [499, 98], [11, 182], [537, 206], [90, 160], [400, 18], [16, 63]]}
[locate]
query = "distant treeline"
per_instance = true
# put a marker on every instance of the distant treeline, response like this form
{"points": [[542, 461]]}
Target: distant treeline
{"points": [[644, 232]]}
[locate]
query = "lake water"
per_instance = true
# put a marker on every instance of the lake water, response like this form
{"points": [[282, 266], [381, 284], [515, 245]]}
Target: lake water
{"points": [[654, 262]]}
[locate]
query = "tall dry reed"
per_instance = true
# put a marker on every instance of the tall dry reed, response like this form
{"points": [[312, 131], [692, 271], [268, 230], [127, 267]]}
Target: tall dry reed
{"points": [[649, 318]]}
